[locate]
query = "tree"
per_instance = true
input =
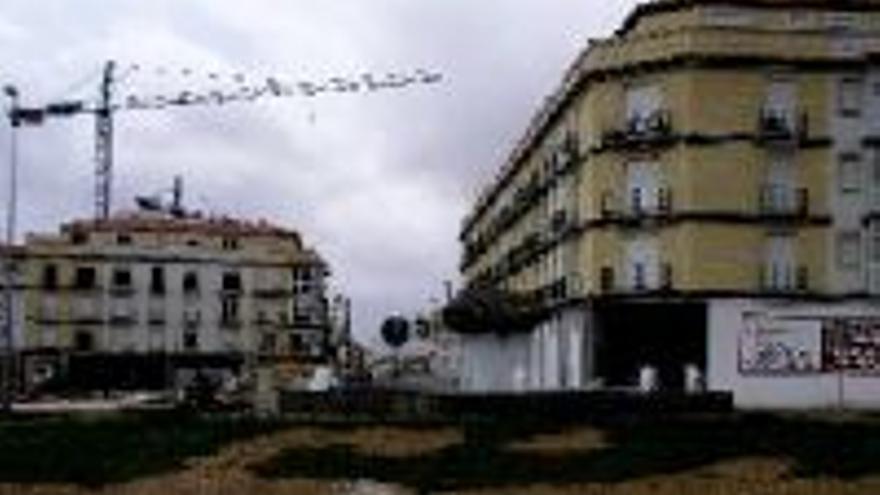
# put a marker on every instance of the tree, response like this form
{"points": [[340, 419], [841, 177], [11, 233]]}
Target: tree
{"points": [[491, 310]]}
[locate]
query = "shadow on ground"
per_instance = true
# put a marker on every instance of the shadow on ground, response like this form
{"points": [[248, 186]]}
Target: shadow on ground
{"points": [[104, 450], [635, 449]]}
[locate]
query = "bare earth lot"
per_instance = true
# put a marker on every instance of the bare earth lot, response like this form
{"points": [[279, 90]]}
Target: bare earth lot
{"points": [[723, 455]]}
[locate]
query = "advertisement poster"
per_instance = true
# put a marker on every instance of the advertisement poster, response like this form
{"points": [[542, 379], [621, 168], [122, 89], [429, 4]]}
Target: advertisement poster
{"points": [[773, 345], [852, 344], [780, 345]]}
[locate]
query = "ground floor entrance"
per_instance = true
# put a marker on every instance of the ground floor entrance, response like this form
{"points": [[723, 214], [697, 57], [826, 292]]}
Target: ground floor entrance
{"points": [[665, 336]]}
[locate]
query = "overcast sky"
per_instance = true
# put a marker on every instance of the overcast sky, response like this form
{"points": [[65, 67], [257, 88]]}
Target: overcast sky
{"points": [[378, 183]]}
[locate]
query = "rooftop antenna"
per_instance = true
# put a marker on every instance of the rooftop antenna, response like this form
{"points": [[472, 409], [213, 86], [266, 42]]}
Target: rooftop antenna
{"points": [[153, 202]]}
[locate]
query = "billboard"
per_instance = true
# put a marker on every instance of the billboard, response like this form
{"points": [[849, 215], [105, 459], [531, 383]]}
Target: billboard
{"points": [[852, 344], [791, 345], [780, 345]]}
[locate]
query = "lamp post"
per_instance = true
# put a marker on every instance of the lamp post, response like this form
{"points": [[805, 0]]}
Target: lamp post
{"points": [[8, 270]]}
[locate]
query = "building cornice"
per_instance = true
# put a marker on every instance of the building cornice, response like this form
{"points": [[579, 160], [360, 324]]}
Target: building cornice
{"points": [[666, 6]]}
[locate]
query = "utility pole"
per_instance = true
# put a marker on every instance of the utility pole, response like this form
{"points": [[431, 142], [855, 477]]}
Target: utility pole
{"points": [[8, 377], [104, 145]]}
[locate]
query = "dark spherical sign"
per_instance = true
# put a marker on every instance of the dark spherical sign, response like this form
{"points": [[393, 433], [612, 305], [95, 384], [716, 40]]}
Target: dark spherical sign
{"points": [[395, 331]]}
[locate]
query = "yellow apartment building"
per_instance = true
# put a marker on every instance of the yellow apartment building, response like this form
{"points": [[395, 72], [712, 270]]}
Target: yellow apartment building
{"points": [[702, 191]]}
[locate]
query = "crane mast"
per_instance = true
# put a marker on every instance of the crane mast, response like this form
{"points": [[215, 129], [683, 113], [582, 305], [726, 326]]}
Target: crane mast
{"points": [[104, 145]]}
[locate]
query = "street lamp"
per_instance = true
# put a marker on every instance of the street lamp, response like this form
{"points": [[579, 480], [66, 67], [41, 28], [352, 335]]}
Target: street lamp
{"points": [[12, 93], [9, 279]]}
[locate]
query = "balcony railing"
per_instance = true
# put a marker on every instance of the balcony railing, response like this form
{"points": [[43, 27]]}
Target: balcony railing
{"points": [[122, 321], [612, 207], [641, 130], [562, 222], [230, 323], [121, 291], [778, 200], [639, 284], [192, 320], [273, 293], [783, 278], [782, 127]]}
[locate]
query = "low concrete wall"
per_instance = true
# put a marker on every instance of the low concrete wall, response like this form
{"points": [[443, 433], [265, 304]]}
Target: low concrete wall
{"points": [[546, 406]]}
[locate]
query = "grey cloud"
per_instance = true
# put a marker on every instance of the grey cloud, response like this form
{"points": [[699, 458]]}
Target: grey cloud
{"points": [[377, 182]]}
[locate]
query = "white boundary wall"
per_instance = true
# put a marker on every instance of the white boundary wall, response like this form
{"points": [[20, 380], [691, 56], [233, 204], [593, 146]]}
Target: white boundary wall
{"points": [[553, 356]]}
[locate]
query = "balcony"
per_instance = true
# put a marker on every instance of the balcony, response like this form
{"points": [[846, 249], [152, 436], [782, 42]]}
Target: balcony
{"points": [[87, 312], [638, 208], [641, 131], [123, 320], [564, 156], [192, 319], [776, 201], [782, 128], [234, 324], [273, 293], [156, 319], [121, 291], [562, 222], [783, 278], [639, 283]]}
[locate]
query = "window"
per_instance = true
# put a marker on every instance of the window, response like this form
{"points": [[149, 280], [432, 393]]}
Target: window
{"points": [[157, 280], [781, 98], [232, 282], [229, 310], [849, 173], [123, 239], [874, 252], [267, 343], [841, 21], [230, 243], [191, 341], [192, 318], [85, 278], [50, 277], [83, 341], [78, 237], [190, 282], [849, 251], [298, 344], [779, 256], [799, 19], [849, 98], [301, 316], [875, 171], [635, 195], [122, 278], [639, 275], [642, 102]]}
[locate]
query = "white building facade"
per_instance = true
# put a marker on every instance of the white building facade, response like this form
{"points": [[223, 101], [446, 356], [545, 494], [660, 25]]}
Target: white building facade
{"points": [[147, 294]]}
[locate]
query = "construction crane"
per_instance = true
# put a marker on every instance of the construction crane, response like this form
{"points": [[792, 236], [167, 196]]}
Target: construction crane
{"points": [[270, 87]]}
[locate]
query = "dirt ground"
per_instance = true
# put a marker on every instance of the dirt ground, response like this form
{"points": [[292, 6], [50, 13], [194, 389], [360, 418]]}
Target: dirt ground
{"points": [[228, 472]]}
